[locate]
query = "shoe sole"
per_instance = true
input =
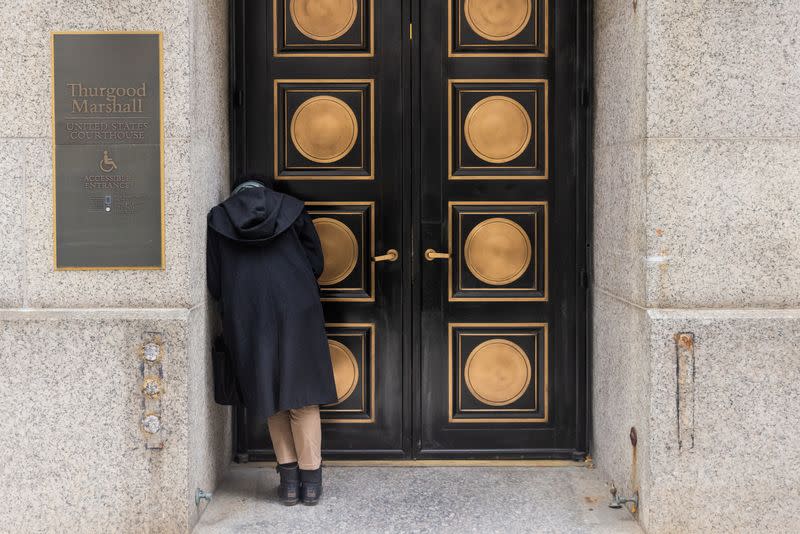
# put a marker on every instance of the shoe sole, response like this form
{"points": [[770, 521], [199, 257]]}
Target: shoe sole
{"points": [[287, 502]]}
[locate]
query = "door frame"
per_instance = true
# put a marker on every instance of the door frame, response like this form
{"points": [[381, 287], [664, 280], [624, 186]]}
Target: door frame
{"points": [[581, 62]]}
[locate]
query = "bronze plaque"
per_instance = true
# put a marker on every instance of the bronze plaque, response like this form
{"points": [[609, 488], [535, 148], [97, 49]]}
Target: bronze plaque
{"points": [[108, 169]]}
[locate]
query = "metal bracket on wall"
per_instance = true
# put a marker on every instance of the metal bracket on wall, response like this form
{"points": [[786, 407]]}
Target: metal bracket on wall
{"points": [[151, 353], [684, 392]]}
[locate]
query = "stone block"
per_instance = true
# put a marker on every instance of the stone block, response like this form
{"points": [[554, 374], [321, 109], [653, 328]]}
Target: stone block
{"points": [[736, 475], [12, 242], [619, 73], [619, 218], [210, 445], [620, 393], [72, 446], [25, 92], [723, 68], [723, 215]]}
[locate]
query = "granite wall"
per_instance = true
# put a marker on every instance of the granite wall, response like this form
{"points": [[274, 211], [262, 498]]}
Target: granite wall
{"points": [[621, 366], [72, 449], [697, 282]]}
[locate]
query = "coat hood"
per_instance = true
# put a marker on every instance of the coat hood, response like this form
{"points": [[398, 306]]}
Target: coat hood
{"points": [[254, 215]]}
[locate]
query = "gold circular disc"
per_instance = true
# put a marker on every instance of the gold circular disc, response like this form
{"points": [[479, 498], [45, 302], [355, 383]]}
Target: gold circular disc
{"points": [[324, 129], [497, 129], [497, 372], [497, 251], [497, 20], [339, 250], [345, 370], [323, 20]]}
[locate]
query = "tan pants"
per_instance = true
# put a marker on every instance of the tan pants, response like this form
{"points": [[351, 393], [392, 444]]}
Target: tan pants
{"points": [[297, 436]]}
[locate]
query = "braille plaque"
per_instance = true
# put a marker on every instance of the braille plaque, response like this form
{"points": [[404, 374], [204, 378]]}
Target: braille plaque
{"points": [[108, 137]]}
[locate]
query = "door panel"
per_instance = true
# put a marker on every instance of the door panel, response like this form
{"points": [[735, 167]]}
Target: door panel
{"points": [[498, 251], [446, 177], [497, 163], [321, 110], [347, 233]]}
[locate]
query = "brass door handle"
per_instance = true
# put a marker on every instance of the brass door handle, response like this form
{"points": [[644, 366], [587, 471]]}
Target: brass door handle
{"points": [[391, 255], [431, 255]]}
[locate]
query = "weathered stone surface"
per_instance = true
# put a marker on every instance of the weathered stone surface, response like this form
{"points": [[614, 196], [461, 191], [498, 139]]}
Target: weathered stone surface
{"points": [[73, 451], [25, 86], [619, 220], [620, 364], [619, 72], [738, 475], [717, 199], [210, 439], [723, 68], [430, 500], [724, 213], [621, 371], [12, 242]]}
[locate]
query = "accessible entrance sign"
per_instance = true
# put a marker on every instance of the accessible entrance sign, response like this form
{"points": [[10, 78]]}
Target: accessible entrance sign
{"points": [[108, 168]]}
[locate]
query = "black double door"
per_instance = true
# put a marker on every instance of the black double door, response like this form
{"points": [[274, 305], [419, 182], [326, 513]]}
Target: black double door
{"points": [[439, 146]]}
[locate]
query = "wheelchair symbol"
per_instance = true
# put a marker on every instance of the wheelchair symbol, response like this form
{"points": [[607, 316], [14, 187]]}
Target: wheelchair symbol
{"points": [[107, 164]]}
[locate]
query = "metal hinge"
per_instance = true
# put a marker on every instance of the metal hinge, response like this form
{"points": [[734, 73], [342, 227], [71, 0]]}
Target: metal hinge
{"points": [[410, 31], [584, 277]]}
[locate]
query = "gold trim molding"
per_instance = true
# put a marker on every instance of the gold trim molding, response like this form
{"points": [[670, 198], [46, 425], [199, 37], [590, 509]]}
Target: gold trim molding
{"points": [[318, 208], [371, 329], [334, 86], [578, 464], [495, 329], [475, 123], [542, 39], [327, 43], [453, 257]]}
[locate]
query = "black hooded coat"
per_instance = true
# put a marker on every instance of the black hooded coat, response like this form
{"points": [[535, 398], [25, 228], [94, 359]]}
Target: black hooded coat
{"points": [[263, 260]]}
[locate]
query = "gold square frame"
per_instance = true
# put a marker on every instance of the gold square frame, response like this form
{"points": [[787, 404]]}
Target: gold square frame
{"points": [[545, 375], [546, 127], [338, 53], [371, 328], [451, 52], [317, 177], [488, 203], [369, 252]]}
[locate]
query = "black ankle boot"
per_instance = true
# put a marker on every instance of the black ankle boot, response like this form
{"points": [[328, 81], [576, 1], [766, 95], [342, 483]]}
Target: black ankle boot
{"points": [[289, 488], [311, 486]]}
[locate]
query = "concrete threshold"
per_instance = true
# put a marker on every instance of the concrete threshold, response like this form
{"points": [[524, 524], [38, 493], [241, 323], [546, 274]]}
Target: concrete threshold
{"points": [[421, 499], [444, 463]]}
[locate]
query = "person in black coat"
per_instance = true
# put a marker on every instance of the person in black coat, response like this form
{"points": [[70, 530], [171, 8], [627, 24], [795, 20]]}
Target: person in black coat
{"points": [[263, 260]]}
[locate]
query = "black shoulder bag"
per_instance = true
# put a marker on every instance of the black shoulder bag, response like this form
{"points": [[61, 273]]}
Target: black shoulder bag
{"points": [[226, 388]]}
